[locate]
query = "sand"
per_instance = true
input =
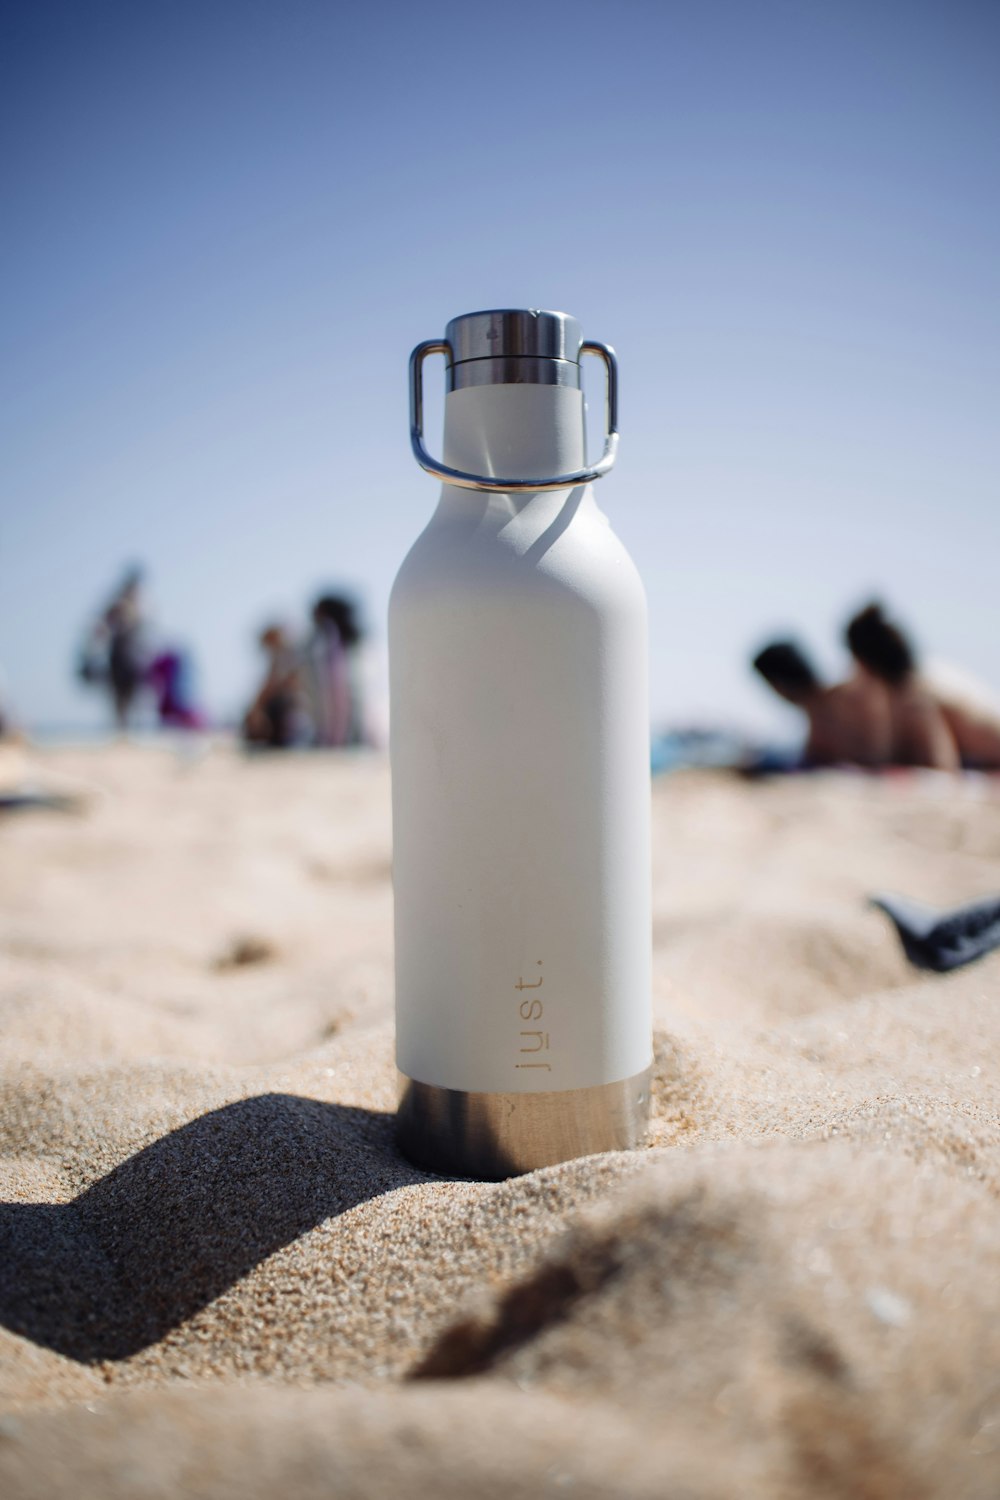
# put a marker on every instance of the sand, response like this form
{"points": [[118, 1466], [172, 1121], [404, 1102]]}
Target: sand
{"points": [[218, 1278]]}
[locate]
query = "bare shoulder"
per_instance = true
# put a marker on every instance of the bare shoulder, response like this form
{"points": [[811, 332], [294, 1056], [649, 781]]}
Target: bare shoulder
{"points": [[858, 692], [923, 737]]}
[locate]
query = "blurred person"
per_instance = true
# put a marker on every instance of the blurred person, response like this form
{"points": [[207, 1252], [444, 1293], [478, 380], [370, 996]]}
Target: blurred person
{"points": [[333, 662], [971, 712], [849, 722], [273, 717], [115, 653], [935, 722], [170, 675]]}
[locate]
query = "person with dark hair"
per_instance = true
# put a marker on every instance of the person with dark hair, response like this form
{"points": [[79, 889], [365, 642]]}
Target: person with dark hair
{"points": [[343, 613], [920, 733], [879, 646], [115, 650], [333, 672], [848, 721]]}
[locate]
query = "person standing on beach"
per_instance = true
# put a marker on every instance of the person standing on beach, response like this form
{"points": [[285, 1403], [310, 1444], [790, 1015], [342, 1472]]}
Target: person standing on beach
{"points": [[924, 731], [333, 675], [849, 722], [115, 651]]}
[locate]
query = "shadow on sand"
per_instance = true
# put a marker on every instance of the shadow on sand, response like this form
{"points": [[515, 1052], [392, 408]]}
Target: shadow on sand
{"points": [[169, 1230]]}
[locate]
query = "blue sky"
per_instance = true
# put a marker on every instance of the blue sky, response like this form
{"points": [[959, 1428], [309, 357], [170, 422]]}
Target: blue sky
{"points": [[226, 224]]}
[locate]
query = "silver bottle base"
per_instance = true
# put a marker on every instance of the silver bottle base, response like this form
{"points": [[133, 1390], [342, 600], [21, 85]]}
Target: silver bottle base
{"points": [[500, 1135]]}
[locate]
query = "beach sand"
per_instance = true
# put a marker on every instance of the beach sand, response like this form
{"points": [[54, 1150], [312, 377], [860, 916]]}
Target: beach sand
{"points": [[218, 1278]]}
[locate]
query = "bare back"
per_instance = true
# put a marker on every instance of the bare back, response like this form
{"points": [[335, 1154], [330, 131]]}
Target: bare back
{"points": [[920, 732], [850, 722]]}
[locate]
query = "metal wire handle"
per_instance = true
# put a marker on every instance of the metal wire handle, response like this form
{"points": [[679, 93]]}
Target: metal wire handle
{"points": [[509, 486]]}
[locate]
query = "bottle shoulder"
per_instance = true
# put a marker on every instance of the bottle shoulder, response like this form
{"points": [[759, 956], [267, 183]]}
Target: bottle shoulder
{"points": [[566, 549]]}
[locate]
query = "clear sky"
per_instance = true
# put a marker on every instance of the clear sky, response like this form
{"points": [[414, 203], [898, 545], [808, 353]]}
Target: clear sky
{"points": [[225, 223]]}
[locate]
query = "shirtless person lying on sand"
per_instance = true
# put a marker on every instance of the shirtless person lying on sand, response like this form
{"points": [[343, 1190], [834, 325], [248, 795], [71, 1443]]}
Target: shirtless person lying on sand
{"points": [[934, 724], [849, 722]]}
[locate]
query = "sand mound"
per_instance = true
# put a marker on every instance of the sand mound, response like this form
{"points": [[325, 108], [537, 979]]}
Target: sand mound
{"points": [[218, 1277], [778, 1287]]}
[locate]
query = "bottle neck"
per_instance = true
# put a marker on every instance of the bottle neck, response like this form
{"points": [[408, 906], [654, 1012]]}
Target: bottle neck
{"points": [[515, 431]]}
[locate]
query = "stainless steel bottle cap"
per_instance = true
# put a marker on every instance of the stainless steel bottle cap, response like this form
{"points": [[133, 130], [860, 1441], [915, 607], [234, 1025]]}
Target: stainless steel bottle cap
{"points": [[514, 346]]}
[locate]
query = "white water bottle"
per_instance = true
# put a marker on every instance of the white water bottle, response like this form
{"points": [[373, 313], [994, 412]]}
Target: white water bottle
{"points": [[519, 737]]}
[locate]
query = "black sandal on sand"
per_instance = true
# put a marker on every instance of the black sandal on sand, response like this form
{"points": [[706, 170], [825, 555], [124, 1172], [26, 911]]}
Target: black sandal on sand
{"points": [[943, 940]]}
